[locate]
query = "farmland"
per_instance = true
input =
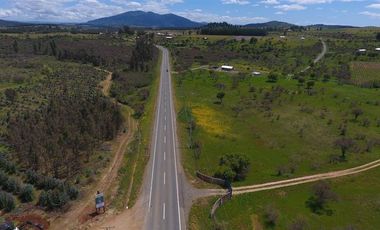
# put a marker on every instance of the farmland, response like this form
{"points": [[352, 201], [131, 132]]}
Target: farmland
{"points": [[282, 124]]}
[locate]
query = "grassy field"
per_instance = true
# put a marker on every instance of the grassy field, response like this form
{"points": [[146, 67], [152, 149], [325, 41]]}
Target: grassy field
{"points": [[365, 72], [357, 206], [278, 126]]}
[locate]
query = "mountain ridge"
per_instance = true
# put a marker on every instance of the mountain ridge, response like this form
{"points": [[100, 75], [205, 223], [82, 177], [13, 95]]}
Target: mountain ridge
{"points": [[145, 19]]}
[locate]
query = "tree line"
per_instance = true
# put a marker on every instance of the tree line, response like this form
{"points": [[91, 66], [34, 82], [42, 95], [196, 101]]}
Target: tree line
{"points": [[223, 28]]}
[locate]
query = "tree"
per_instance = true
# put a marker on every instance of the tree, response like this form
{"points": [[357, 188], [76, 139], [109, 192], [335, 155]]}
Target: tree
{"points": [[271, 216], [321, 194], [272, 77], [15, 46], [233, 167], [344, 144], [310, 85], [10, 94], [378, 36], [220, 96], [357, 112]]}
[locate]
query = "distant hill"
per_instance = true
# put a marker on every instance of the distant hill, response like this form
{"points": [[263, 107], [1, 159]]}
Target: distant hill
{"points": [[322, 26], [4, 23], [145, 19], [271, 25]]}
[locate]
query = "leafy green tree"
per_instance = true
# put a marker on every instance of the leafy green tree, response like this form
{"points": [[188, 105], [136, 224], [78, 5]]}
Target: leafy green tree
{"points": [[10, 95], [378, 36], [233, 167], [344, 144], [322, 193], [357, 112], [220, 96], [15, 46], [272, 77]]}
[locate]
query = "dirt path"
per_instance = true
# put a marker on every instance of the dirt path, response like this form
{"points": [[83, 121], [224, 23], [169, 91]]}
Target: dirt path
{"points": [[305, 179], [319, 57], [83, 210], [106, 84]]}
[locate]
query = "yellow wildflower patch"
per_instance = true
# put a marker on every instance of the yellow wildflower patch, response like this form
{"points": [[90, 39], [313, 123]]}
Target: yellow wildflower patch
{"points": [[208, 119]]}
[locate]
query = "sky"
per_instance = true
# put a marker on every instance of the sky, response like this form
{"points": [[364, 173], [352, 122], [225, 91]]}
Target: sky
{"points": [[300, 12]]}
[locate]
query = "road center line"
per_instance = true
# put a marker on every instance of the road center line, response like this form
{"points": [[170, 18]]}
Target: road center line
{"points": [[164, 139], [164, 178], [164, 156], [163, 212]]}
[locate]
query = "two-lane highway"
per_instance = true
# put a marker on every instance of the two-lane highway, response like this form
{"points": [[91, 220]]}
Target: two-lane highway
{"points": [[165, 194]]}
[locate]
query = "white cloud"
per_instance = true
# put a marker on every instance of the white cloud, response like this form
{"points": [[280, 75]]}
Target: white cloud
{"points": [[270, 2], [370, 14], [238, 2], [201, 16], [374, 6], [290, 7]]}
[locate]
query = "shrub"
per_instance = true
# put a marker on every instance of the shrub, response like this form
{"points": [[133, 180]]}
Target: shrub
{"points": [[12, 185], [27, 193], [3, 178], [7, 202], [72, 192]]}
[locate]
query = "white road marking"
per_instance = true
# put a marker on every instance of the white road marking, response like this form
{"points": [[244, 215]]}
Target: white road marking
{"points": [[155, 145], [164, 178], [165, 139], [174, 148], [164, 156], [163, 212], [165, 117], [164, 127]]}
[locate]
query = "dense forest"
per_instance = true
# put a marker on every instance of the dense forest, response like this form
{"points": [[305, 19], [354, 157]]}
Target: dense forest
{"points": [[224, 28]]}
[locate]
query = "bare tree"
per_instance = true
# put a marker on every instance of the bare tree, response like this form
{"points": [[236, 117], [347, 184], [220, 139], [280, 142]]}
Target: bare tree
{"points": [[344, 144]]}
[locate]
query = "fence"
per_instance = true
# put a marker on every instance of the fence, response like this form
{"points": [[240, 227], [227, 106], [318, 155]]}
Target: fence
{"points": [[221, 200]]}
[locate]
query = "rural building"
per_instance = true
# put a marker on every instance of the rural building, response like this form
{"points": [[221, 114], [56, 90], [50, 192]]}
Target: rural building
{"points": [[302, 38], [227, 68], [377, 49], [169, 37], [256, 73], [282, 36], [362, 50]]}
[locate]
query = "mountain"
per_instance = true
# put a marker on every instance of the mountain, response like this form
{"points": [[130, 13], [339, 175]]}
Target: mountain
{"points": [[271, 24], [4, 23], [145, 19]]}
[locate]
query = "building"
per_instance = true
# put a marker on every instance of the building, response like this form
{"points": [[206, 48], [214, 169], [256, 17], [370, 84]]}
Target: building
{"points": [[169, 37], [362, 50], [227, 67], [256, 73], [377, 49]]}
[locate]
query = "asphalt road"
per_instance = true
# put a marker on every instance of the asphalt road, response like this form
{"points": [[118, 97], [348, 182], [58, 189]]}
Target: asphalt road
{"points": [[165, 208]]}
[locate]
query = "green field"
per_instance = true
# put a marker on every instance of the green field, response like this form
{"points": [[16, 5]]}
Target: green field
{"points": [[357, 206], [278, 126]]}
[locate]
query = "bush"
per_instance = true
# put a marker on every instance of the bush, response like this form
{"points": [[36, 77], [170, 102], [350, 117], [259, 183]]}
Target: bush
{"points": [[12, 185], [72, 192], [27, 193], [31, 177], [7, 202], [3, 178], [53, 199]]}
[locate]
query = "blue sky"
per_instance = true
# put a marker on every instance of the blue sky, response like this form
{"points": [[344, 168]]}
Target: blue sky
{"points": [[302, 12]]}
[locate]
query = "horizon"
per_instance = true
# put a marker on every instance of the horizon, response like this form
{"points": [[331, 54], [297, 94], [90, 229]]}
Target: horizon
{"points": [[300, 12]]}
